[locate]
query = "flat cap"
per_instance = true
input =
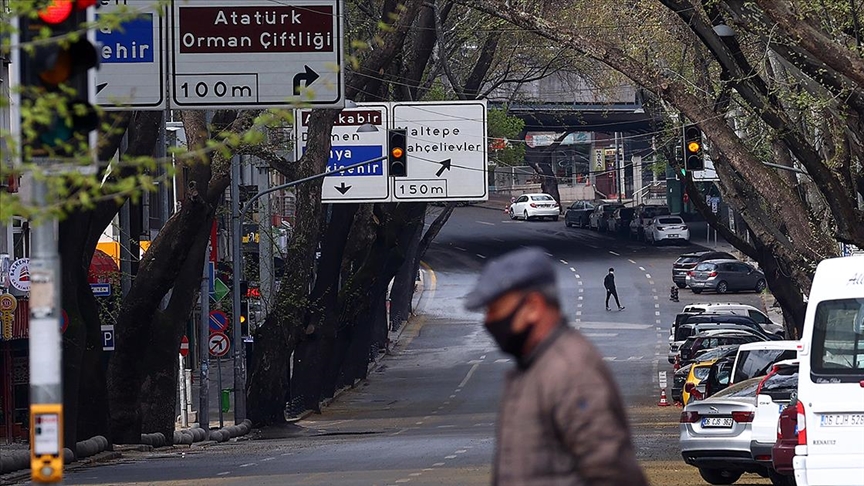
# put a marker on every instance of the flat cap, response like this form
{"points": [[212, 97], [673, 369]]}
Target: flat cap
{"points": [[520, 269]]}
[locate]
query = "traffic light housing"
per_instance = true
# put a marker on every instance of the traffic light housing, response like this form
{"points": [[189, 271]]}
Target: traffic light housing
{"points": [[694, 153], [53, 65], [397, 153]]}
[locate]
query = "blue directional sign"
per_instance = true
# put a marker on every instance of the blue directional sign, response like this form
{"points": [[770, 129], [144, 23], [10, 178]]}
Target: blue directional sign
{"points": [[345, 155], [132, 61]]}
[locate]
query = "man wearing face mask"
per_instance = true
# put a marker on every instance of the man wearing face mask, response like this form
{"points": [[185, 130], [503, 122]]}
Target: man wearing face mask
{"points": [[561, 419]]}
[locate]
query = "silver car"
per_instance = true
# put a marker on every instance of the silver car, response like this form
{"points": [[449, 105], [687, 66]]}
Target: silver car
{"points": [[724, 276], [716, 433]]}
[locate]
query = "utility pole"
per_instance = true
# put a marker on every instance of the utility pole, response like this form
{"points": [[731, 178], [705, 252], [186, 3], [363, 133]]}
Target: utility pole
{"points": [[237, 260], [204, 350]]}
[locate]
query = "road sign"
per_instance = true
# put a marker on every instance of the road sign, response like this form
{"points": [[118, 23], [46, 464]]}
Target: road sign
{"points": [[358, 134], [101, 289], [184, 346], [107, 337], [218, 321], [19, 274], [131, 72], [447, 156], [218, 344], [220, 290], [662, 379], [256, 53]]}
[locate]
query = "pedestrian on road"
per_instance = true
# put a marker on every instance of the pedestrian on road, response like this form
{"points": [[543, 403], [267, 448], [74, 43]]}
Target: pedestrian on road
{"points": [[561, 419], [609, 283]]}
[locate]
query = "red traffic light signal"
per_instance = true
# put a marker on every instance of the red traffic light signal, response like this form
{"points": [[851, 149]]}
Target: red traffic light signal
{"points": [[57, 115]]}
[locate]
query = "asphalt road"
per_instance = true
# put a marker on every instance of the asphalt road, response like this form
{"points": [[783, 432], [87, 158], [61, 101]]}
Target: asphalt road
{"points": [[426, 415]]}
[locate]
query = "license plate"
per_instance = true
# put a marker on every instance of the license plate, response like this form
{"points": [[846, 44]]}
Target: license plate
{"points": [[842, 420], [724, 422]]}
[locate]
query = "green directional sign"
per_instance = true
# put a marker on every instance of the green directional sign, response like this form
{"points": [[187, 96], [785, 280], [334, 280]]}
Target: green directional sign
{"points": [[220, 290]]}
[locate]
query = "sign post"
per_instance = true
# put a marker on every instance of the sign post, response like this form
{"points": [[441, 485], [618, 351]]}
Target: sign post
{"points": [[256, 54]]}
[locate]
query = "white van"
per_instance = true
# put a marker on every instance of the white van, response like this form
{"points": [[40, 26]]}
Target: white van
{"points": [[830, 400]]}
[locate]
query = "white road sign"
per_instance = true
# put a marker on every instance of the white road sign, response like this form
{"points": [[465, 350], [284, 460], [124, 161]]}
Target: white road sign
{"points": [[256, 53], [358, 134], [218, 344], [131, 72], [447, 156]]}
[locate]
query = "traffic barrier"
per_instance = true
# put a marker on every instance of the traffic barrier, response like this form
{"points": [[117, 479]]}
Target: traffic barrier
{"points": [[664, 402]]}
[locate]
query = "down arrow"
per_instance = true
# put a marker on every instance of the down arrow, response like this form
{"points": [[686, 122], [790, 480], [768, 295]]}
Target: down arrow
{"points": [[343, 188], [445, 164]]}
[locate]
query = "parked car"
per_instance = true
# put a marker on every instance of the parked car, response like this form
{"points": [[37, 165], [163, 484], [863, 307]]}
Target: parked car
{"points": [[773, 394], [787, 438], [715, 434], [756, 359], [720, 375], [704, 322], [831, 377], [701, 365], [667, 228], [620, 220], [529, 206], [688, 261], [738, 309], [598, 219], [643, 215], [712, 339], [726, 275], [578, 214], [678, 381], [772, 331]]}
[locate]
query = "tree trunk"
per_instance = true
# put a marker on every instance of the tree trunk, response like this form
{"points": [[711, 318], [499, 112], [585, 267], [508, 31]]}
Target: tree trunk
{"points": [[161, 366]]}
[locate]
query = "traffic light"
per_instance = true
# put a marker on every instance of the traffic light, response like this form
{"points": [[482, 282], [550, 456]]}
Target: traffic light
{"points": [[694, 154], [244, 317], [397, 154], [55, 90]]}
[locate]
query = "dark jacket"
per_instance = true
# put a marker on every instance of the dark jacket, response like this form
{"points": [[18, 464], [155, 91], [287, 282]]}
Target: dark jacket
{"points": [[609, 282], [562, 421]]}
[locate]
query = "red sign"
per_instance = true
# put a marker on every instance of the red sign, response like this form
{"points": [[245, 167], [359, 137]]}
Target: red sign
{"points": [[234, 30], [184, 346]]}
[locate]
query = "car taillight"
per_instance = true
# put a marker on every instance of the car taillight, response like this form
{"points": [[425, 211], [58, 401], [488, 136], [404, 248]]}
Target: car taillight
{"points": [[554, 204], [533, 205], [712, 274], [690, 273], [801, 425], [689, 417], [742, 417]]}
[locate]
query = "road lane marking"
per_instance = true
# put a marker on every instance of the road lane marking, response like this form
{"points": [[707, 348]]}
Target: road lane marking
{"points": [[608, 358], [631, 261], [503, 360], [656, 306], [616, 254], [499, 240], [635, 358], [450, 457], [599, 334], [550, 255], [461, 451], [564, 262], [415, 474], [438, 464], [483, 357], [446, 426], [468, 376], [460, 248], [572, 269], [656, 313], [642, 268], [648, 275], [580, 282], [481, 256], [475, 361], [651, 282], [452, 396], [577, 276], [578, 313], [405, 480], [249, 464], [224, 473], [486, 223]]}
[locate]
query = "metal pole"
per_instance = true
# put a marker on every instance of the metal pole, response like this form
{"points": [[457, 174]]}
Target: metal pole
{"points": [[46, 382], [219, 389], [184, 411], [237, 260], [619, 172], [204, 350], [265, 246]]}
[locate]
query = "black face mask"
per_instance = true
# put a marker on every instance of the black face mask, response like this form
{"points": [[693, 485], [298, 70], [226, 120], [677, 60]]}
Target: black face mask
{"points": [[502, 331]]}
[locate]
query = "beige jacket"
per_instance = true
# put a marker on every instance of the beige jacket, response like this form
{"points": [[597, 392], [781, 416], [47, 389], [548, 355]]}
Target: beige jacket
{"points": [[562, 421]]}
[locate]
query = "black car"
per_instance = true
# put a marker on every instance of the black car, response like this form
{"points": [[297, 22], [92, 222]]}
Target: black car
{"points": [[745, 321], [678, 381], [711, 340], [688, 261], [577, 214], [719, 375]]}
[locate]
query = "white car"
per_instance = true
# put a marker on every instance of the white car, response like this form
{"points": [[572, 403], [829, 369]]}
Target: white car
{"points": [[664, 228], [767, 324], [528, 206], [773, 394]]}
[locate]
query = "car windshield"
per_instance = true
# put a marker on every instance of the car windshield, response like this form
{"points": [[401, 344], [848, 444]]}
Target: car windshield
{"points": [[700, 372], [744, 389], [716, 353], [683, 332], [542, 197], [757, 362], [838, 338], [705, 267], [687, 259], [670, 220]]}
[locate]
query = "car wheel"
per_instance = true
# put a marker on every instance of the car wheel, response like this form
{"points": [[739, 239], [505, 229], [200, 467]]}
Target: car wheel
{"points": [[760, 285], [778, 479], [680, 285], [719, 476], [512, 214], [554, 218], [722, 287], [696, 291], [567, 223], [525, 215]]}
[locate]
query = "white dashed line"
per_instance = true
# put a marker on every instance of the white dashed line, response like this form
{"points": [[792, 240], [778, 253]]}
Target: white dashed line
{"points": [[415, 474], [642, 268], [483, 357], [405, 480], [450, 457], [577, 276], [447, 402], [549, 254], [268, 459], [573, 270], [503, 360], [616, 254], [224, 473], [609, 358], [461, 451], [659, 329], [486, 223], [249, 464], [418, 423], [481, 256], [631, 261], [651, 282], [581, 290], [468, 376], [460, 248], [438, 464], [499, 240], [564, 262], [580, 298], [648, 275], [475, 361], [452, 396], [655, 297], [580, 282], [656, 313], [656, 306]]}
